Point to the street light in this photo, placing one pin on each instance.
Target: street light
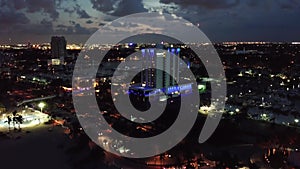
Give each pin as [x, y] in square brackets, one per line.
[41, 106]
[296, 120]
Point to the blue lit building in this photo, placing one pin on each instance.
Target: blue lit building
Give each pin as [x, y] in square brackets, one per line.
[157, 82]
[163, 61]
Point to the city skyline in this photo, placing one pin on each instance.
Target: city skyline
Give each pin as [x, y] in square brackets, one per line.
[230, 20]
[261, 112]
[185, 84]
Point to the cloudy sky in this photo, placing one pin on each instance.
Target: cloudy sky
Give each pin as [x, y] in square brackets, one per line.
[221, 20]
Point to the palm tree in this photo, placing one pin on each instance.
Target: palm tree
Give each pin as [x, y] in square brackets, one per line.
[14, 120]
[8, 122]
[14, 113]
[19, 120]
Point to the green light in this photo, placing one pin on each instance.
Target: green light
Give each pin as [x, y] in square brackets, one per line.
[201, 88]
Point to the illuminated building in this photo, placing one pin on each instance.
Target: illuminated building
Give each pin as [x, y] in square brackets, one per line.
[163, 61]
[148, 76]
[58, 48]
[157, 81]
[169, 63]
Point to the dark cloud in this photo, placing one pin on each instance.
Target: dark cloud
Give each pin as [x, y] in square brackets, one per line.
[14, 4]
[10, 20]
[69, 10]
[220, 19]
[81, 13]
[77, 29]
[44, 28]
[103, 5]
[45, 6]
[82, 30]
[78, 10]
[89, 22]
[72, 22]
[10, 17]
[119, 7]
[46, 22]
[101, 24]
[14, 22]
[61, 26]
[31, 6]
[126, 7]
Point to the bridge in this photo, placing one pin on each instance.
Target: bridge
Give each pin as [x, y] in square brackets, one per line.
[35, 99]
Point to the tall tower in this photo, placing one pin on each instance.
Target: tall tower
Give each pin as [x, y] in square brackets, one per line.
[58, 48]
[160, 65]
[167, 61]
[156, 60]
[148, 77]
[161, 61]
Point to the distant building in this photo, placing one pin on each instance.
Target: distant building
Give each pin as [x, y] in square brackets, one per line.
[58, 49]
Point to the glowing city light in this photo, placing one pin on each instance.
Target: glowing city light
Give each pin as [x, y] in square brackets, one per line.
[41, 105]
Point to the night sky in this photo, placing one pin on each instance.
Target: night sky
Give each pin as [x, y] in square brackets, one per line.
[36, 21]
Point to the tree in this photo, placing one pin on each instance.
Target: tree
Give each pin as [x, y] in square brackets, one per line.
[19, 120]
[14, 113]
[8, 122]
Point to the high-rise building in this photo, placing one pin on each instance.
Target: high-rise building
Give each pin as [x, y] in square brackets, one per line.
[161, 74]
[58, 48]
[167, 61]
[148, 76]
[161, 61]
